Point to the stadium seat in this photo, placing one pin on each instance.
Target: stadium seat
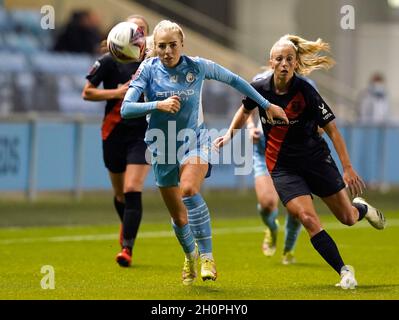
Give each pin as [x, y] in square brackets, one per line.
[4, 21]
[61, 63]
[27, 20]
[25, 43]
[12, 62]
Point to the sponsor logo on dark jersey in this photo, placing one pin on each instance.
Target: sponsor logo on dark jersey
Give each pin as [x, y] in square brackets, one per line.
[279, 122]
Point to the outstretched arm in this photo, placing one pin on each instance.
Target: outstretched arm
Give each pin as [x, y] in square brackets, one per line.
[238, 122]
[254, 131]
[352, 180]
[217, 72]
[91, 93]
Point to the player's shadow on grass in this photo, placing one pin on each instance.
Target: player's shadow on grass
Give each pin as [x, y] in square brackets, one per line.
[379, 286]
[203, 288]
[301, 265]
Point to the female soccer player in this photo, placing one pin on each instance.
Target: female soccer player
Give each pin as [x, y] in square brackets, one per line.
[298, 158]
[266, 193]
[178, 139]
[123, 142]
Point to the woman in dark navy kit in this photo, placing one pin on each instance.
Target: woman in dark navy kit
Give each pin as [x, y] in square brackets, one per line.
[123, 142]
[298, 158]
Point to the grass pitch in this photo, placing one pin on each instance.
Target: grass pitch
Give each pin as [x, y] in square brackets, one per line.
[80, 241]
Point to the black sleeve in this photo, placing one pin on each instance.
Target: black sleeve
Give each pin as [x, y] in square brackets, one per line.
[98, 71]
[323, 112]
[247, 102]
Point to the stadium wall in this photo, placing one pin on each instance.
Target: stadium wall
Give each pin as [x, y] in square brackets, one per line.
[58, 154]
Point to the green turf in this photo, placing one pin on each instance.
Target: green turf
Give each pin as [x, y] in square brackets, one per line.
[83, 255]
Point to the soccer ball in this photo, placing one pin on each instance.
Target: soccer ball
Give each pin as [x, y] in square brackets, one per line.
[126, 42]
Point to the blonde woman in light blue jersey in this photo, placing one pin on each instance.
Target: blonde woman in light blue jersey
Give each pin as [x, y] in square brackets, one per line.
[177, 137]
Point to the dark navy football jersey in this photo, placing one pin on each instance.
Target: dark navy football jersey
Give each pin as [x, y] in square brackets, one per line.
[112, 73]
[305, 109]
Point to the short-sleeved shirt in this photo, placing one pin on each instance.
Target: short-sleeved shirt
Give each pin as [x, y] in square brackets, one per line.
[299, 140]
[112, 74]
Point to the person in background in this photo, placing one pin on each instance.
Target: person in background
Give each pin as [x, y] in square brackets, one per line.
[374, 107]
[82, 33]
[123, 142]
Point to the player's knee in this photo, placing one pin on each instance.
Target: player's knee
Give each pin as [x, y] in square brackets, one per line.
[268, 205]
[132, 188]
[308, 219]
[188, 190]
[180, 221]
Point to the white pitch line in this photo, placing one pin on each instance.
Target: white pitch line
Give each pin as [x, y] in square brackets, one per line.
[169, 234]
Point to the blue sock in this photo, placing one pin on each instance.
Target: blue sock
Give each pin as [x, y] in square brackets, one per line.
[185, 237]
[292, 229]
[269, 218]
[200, 222]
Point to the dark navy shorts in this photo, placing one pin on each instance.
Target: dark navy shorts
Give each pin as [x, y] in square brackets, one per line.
[320, 177]
[123, 147]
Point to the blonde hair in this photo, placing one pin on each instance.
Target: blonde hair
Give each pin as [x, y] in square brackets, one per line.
[150, 47]
[307, 53]
[164, 25]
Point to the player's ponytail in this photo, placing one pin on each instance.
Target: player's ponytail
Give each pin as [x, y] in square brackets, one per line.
[308, 53]
[150, 48]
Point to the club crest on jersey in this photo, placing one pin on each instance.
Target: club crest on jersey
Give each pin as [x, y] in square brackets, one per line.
[190, 77]
[296, 106]
[323, 109]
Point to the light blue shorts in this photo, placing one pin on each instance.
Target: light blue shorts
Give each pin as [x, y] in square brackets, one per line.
[259, 161]
[168, 175]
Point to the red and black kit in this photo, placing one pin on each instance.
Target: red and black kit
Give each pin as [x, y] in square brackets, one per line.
[123, 140]
[297, 157]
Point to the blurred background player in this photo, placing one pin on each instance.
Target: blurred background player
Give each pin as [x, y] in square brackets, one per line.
[123, 142]
[298, 158]
[175, 99]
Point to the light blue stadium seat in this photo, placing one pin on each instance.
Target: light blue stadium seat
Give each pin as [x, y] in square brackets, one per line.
[12, 62]
[29, 20]
[25, 43]
[61, 63]
[4, 21]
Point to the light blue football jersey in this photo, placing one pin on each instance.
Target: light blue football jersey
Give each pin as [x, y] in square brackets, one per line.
[159, 82]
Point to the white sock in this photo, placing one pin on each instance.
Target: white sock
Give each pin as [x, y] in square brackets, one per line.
[207, 255]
